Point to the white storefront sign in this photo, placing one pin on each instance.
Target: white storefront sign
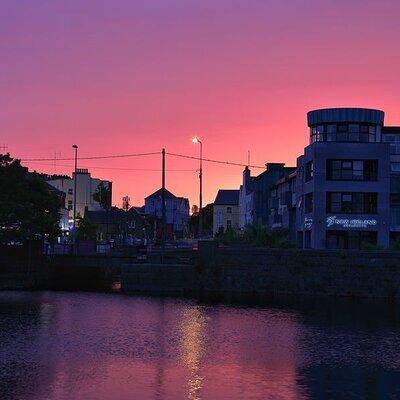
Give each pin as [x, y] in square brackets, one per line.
[308, 223]
[333, 221]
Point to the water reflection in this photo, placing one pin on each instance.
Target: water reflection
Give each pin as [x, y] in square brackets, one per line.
[193, 327]
[57, 346]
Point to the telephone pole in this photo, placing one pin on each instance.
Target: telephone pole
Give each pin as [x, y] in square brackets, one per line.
[163, 210]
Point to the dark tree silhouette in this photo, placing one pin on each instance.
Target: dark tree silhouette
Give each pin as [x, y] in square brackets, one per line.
[28, 210]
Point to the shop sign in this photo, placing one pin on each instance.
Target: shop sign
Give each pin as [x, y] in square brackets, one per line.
[350, 223]
[308, 223]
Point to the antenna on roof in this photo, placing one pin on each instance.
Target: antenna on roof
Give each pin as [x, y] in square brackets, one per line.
[248, 158]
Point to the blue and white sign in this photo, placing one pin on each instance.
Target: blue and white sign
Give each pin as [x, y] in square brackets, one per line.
[333, 221]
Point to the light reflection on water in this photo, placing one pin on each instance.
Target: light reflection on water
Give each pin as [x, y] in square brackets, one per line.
[60, 346]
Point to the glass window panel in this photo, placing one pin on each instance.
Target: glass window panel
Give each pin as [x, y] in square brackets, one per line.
[363, 137]
[341, 137]
[371, 129]
[389, 138]
[354, 128]
[395, 166]
[342, 128]
[331, 137]
[354, 137]
[336, 197]
[347, 165]
[331, 129]
[347, 197]
[320, 128]
[371, 138]
[364, 128]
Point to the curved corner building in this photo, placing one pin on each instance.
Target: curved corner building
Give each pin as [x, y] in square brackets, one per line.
[343, 181]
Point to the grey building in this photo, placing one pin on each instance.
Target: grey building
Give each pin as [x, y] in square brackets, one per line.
[255, 194]
[343, 181]
[391, 135]
[282, 205]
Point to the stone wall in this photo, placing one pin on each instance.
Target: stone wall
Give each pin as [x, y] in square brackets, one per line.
[271, 272]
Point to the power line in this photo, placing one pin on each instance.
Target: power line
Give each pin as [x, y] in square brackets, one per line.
[117, 168]
[215, 161]
[144, 154]
[93, 157]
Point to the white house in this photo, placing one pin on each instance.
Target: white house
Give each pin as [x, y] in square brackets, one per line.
[86, 187]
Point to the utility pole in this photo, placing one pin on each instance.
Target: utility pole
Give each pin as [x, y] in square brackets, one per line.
[75, 179]
[197, 140]
[163, 210]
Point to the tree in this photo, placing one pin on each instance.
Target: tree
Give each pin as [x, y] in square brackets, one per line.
[28, 210]
[103, 195]
[85, 230]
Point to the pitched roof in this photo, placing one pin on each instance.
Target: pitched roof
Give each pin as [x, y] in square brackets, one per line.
[157, 193]
[228, 197]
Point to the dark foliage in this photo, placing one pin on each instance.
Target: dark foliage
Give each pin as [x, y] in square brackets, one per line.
[28, 210]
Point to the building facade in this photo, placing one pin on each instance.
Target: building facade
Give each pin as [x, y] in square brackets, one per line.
[176, 213]
[391, 135]
[255, 194]
[226, 214]
[283, 205]
[86, 189]
[343, 181]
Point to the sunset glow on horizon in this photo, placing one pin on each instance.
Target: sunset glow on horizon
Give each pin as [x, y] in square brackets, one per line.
[123, 77]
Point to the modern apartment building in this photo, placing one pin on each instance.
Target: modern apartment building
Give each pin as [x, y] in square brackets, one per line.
[343, 182]
[391, 135]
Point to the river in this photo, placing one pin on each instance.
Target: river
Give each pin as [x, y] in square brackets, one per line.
[83, 346]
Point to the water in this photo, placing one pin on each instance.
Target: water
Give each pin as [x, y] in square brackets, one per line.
[108, 346]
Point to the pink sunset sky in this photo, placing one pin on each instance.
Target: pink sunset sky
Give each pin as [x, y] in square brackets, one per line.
[126, 76]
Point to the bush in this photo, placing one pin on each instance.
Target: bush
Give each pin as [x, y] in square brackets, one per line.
[259, 236]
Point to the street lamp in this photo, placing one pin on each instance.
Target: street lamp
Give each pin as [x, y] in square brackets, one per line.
[75, 178]
[196, 140]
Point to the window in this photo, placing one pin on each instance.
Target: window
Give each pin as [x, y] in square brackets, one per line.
[394, 141]
[343, 132]
[308, 203]
[70, 191]
[229, 210]
[352, 170]
[228, 224]
[69, 202]
[351, 203]
[309, 171]
[395, 166]
[350, 239]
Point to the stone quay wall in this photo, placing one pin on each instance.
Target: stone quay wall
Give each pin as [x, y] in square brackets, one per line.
[269, 272]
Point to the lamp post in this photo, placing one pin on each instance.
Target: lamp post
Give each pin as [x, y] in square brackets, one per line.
[197, 140]
[74, 206]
